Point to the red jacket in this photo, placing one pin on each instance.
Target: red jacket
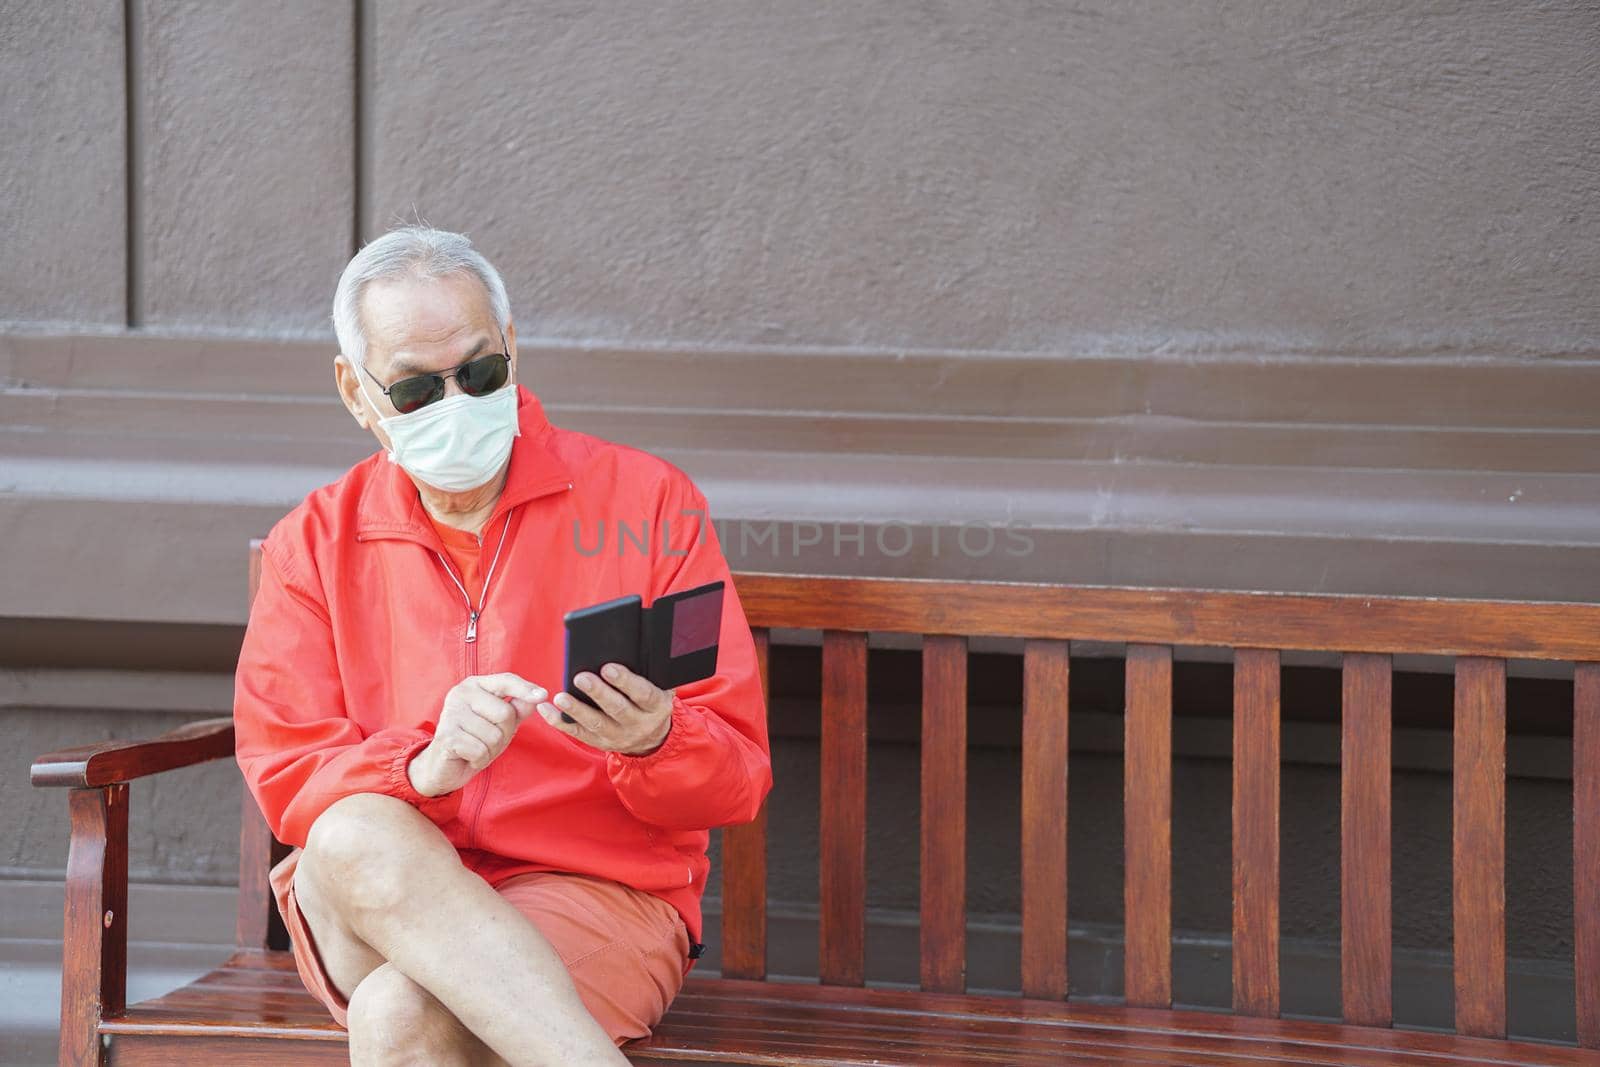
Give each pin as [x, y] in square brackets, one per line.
[358, 630]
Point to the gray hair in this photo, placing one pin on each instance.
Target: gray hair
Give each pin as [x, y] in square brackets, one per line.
[419, 251]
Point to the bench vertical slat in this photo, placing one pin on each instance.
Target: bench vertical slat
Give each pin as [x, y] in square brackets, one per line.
[1586, 848]
[744, 874]
[1365, 898]
[843, 859]
[95, 943]
[1479, 825]
[1045, 668]
[944, 814]
[258, 924]
[1255, 831]
[1147, 834]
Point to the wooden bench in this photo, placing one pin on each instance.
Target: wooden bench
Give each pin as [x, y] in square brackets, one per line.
[253, 1009]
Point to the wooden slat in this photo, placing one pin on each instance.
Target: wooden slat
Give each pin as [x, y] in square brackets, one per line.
[1147, 834]
[744, 875]
[1320, 621]
[777, 1032]
[1586, 848]
[1255, 831]
[719, 1020]
[843, 860]
[95, 940]
[164, 1050]
[944, 814]
[1479, 818]
[812, 1014]
[1365, 901]
[1045, 671]
[724, 1020]
[257, 924]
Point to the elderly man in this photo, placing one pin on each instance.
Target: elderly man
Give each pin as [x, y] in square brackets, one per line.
[478, 877]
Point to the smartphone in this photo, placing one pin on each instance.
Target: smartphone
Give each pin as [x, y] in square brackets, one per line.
[672, 642]
[601, 634]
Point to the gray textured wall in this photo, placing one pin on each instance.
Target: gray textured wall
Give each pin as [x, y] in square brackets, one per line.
[62, 163]
[1409, 177]
[245, 166]
[1038, 177]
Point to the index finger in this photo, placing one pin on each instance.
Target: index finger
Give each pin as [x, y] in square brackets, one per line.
[508, 686]
[486, 706]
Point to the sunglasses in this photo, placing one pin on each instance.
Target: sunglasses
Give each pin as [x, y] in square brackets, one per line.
[476, 377]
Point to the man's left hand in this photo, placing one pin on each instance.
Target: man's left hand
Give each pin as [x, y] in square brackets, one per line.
[634, 716]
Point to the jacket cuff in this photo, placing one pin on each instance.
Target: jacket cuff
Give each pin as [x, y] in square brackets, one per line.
[440, 809]
[677, 738]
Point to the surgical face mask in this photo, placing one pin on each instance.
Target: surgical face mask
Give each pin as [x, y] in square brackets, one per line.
[457, 443]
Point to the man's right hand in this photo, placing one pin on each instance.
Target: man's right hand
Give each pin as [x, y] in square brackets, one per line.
[479, 718]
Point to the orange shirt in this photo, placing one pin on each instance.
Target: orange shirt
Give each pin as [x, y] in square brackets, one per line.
[466, 554]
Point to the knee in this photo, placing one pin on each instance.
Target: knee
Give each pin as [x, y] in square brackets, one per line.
[360, 849]
[392, 1020]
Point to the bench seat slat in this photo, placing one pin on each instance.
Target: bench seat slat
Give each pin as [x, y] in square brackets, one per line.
[1365, 900]
[243, 1050]
[1479, 827]
[1147, 808]
[901, 1038]
[842, 921]
[1045, 667]
[243, 1011]
[1317, 1041]
[916, 1038]
[716, 1045]
[713, 1019]
[944, 814]
[1255, 831]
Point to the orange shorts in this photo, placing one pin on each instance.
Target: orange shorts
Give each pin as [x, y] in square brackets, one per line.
[626, 950]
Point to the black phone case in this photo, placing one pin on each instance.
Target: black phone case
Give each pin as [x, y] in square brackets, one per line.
[601, 634]
[623, 631]
[662, 667]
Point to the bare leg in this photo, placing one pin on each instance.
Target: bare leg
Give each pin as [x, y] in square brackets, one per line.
[395, 1022]
[379, 883]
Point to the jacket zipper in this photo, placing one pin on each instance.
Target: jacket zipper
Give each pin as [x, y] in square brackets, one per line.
[471, 640]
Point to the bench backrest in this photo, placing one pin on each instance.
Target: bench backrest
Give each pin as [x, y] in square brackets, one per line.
[1368, 631]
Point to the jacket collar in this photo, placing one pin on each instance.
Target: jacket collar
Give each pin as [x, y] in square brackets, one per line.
[390, 505]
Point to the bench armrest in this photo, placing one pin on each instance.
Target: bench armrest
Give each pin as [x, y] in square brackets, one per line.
[110, 762]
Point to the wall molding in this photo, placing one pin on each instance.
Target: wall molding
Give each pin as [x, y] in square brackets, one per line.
[1409, 475]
